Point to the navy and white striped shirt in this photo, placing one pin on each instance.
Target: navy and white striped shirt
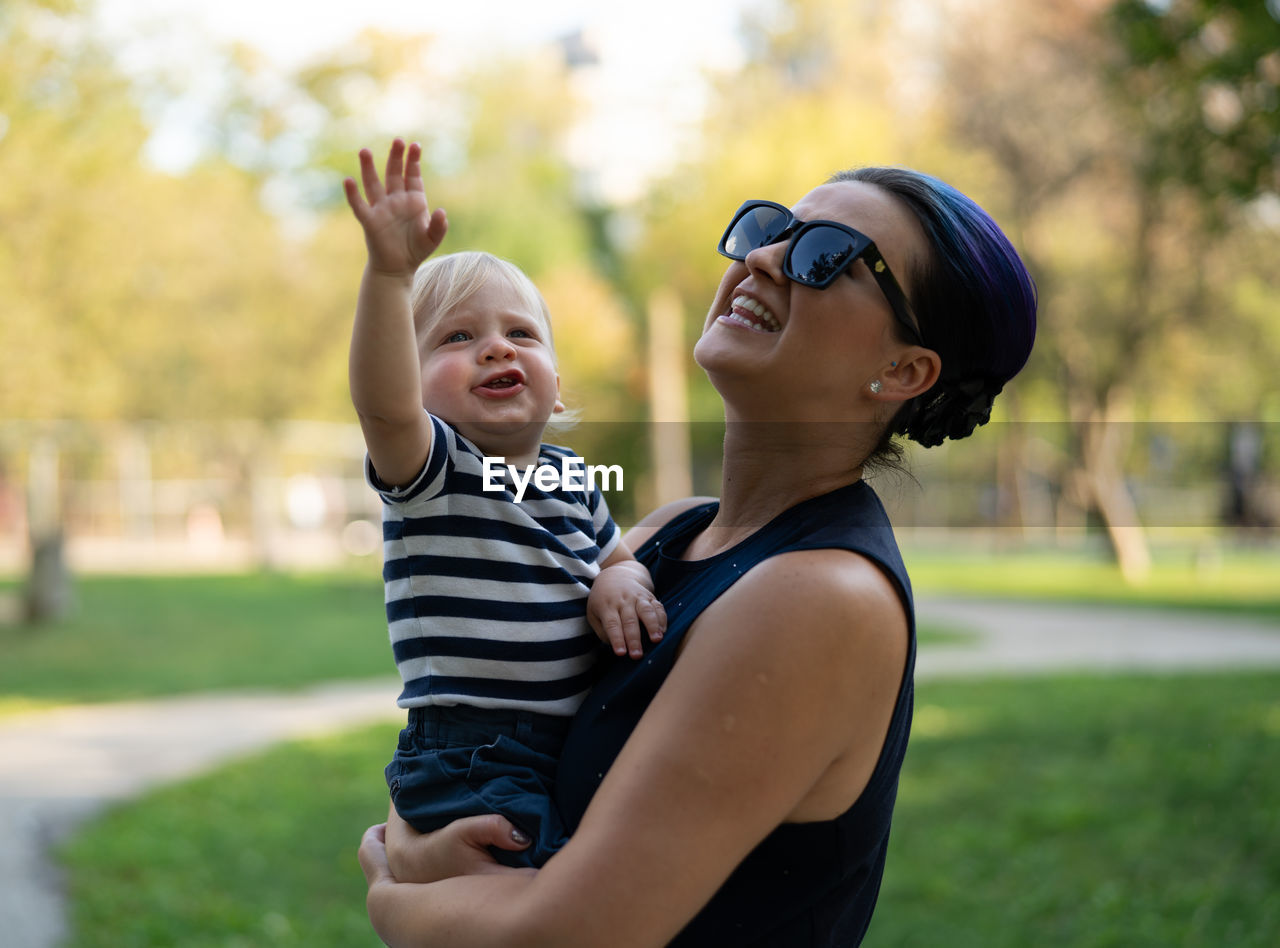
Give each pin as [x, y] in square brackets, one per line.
[486, 597]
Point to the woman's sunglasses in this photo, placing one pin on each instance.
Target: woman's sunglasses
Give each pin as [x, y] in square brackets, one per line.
[818, 252]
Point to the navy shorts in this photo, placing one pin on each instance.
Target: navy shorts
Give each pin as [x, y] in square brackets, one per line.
[461, 761]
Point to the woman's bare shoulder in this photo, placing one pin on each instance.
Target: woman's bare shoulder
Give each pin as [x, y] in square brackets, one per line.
[822, 590]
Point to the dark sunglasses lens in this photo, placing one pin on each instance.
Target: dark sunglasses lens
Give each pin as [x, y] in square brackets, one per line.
[757, 227]
[820, 253]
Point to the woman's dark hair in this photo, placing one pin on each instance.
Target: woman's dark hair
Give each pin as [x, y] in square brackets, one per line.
[975, 302]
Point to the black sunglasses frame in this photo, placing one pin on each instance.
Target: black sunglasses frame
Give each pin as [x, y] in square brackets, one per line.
[864, 249]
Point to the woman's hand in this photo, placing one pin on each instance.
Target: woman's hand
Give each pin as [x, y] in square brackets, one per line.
[401, 906]
[373, 856]
[459, 849]
[457, 900]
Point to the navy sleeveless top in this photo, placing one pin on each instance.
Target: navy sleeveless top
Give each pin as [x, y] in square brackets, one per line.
[805, 883]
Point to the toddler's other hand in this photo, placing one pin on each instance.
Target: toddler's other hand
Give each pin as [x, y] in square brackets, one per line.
[619, 604]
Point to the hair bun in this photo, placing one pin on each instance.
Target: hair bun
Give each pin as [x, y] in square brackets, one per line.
[951, 409]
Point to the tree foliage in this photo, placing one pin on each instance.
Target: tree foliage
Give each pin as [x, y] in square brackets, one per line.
[1202, 78]
[225, 290]
[815, 95]
[130, 293]
[1129, 195]
[1129, 147]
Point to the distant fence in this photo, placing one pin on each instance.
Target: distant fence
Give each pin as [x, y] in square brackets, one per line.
[234, 495]
[196, 496]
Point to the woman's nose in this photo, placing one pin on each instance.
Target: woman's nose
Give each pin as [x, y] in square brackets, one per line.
[766, 261]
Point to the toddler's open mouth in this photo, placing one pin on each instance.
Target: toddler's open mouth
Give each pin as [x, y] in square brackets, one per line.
[502, 382]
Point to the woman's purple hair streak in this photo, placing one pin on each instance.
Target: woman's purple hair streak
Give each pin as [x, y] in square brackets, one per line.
[973, 297]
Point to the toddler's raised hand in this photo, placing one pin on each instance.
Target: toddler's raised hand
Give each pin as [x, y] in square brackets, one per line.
[400, 230]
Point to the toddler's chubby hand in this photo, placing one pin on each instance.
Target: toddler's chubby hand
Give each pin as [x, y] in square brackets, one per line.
[619, 604]
[400, 229]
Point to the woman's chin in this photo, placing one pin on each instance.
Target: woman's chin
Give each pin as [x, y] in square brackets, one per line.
[723, 356]
[713, 352]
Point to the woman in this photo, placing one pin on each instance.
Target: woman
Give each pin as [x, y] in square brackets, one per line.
[735, 786]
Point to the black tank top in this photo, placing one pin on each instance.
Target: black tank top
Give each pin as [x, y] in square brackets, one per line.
[805, 883]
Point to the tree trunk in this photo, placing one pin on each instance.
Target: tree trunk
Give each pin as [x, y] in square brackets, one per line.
[48, 594]
[669, 448]
[1103, 445]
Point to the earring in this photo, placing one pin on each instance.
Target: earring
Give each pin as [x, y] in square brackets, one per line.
[875, 386]
[893, 365]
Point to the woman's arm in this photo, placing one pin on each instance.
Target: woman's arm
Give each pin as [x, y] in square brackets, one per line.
[793, 673]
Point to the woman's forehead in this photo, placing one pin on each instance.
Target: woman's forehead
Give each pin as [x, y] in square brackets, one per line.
[861, 205]
[871, 210]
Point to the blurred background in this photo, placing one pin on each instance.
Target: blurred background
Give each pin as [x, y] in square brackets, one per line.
[178, 268]
[178, 271]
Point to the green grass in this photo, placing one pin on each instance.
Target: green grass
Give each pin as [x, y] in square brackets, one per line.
[259, 853]
[934, 633]
[1240, 582]
[1135, 812]
[137, 636]
[1125, 812]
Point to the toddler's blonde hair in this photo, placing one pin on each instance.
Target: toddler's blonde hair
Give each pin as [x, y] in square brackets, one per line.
[444, 283]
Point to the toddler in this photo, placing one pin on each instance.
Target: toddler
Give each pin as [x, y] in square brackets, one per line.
[494, 584]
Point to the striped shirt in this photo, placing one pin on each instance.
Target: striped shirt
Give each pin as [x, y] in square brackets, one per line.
[486, 597]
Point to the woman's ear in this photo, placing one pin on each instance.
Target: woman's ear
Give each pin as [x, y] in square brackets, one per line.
[913, 374]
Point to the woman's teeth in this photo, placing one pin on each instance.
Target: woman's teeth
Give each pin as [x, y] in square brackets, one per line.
[765, 321]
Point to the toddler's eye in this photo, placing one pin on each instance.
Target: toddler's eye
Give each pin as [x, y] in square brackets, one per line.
[457, 337]
[521, 334]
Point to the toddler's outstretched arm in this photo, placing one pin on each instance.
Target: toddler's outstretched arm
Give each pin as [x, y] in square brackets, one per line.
[400, 231]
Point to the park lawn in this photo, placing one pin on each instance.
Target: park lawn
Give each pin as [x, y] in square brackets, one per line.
[1125, 811]
[1239, 581]
[144, 636]
[1112, 812]
[261, 852]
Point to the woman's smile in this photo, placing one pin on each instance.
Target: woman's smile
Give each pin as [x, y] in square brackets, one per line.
[753, 314]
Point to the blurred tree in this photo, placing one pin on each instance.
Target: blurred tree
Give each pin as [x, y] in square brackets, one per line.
[1203, 78]
[1128, 190]
[145, 295]
[1038, 113]
[826, 85]
[181, 295]
[815, 95]
[225, 290]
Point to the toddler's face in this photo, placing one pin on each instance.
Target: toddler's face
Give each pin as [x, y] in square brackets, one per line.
[488, 368]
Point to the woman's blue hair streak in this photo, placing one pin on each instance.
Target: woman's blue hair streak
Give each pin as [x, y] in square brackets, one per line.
[974, 298]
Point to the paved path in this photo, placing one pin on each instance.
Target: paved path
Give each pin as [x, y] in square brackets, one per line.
[59, 767]
[121, 750]
[1020, 638]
